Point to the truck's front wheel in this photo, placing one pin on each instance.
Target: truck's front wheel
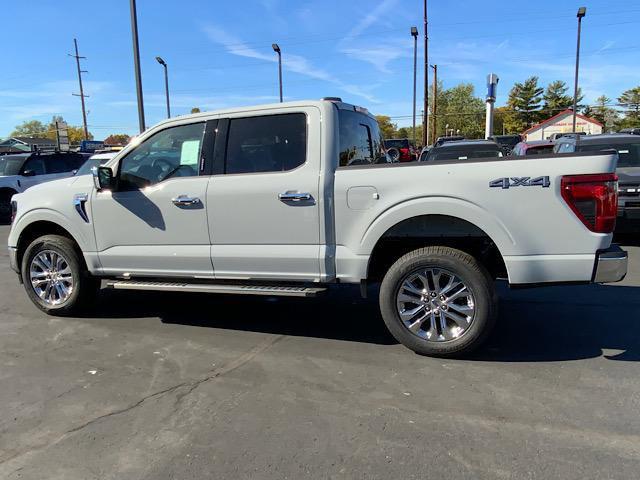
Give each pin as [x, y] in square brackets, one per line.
[54, 276]
[438, 301]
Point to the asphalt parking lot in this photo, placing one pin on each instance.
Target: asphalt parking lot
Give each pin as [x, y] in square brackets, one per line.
[188, 386]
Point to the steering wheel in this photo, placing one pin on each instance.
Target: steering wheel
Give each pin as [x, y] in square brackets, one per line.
[165, 166]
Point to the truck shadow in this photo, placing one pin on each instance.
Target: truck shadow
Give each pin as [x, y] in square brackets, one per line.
[537, 325]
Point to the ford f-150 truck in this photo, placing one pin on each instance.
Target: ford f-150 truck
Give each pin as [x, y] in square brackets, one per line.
[288, 199]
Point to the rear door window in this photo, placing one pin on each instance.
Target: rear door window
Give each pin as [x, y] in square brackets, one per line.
[360, 140]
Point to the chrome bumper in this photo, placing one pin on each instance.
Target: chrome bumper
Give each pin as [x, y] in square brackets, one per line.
[611, 265]
[13, 259]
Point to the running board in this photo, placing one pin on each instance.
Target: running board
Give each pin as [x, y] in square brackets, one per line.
[216, 288]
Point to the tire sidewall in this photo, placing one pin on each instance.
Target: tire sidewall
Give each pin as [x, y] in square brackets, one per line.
[64, 248]
[476, 280]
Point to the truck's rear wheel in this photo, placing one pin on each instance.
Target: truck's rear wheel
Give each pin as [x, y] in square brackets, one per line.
[54, 276]
[438, 301]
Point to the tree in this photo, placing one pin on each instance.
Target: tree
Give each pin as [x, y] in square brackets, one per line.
[556, 99]
[462, 111]
[387, 128]
[630, 101]
[524, 105]
[117, 139]
[605, 114]
[32, 128]
[195, 110]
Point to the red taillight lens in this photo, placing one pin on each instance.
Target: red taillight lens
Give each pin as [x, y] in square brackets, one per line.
[593, 198]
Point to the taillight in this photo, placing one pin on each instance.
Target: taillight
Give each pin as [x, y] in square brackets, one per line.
[593, 198]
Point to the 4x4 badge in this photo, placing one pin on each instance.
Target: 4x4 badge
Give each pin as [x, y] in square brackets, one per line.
[508, 182]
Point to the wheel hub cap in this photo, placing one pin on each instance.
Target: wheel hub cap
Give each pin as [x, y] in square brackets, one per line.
[51, 277]
[435, 305]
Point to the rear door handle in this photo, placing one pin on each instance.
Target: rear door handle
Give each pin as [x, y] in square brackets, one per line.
[290, 196]
[184, 200]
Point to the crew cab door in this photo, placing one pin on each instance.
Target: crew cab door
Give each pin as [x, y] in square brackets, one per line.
[154, 222]
[263, 202]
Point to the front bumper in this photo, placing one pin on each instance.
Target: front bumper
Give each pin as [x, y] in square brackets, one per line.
[611, 265]
[13, 259]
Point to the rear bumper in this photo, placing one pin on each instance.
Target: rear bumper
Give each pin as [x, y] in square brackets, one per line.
[13, 259]
[611, 265]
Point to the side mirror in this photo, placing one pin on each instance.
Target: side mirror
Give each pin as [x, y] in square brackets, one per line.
[28, 173]
[102, 178]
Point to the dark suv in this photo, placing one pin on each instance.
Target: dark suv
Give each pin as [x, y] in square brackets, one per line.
[628, 171]
[506, 142]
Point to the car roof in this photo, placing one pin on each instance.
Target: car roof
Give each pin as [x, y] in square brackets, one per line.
[535, 143]
[103, 156]
[602, 138]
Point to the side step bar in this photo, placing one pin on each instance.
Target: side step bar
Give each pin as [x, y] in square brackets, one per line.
[216, 288]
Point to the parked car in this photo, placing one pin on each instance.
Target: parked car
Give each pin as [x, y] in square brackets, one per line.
[628, 170]
[95, 160]
[506, 142]
[21, 171]
[535, 147]
[465, 150]
[266, 200]
[632, 131]
[453, 138]
[399, 149]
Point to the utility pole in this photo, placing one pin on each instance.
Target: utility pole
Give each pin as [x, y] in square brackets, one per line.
[426, 78]
[435, 101]
[81, 95]
[582, 11]
[136, 64]
[414, 34]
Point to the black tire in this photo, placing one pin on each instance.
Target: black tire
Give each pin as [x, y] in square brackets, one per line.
[85, 287]
[5, 206]
[469, 271]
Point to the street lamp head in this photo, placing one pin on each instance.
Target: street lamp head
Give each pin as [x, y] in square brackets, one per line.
[414, 32]
[161, 61]
[582, 11]
[275, 47]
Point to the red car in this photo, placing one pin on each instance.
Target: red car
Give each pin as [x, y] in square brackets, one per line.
[535, 147]
[399, 150]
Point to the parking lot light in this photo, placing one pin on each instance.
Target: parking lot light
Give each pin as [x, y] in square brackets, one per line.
[414, 34]
[582, 11]
[276, 48]
[166, 83]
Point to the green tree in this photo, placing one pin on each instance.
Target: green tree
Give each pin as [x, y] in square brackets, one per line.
[605, 114]
[405, 132]
[524, 105]
[387, 128]
[630, 101]
[32, 128]
[556, 99]
[462, 111]
[195, 110]
[117, 139]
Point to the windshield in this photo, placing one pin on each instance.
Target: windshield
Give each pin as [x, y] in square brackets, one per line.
[86, 167]
[396, 143]
[11, 165]
[628, 153]
[463, 154]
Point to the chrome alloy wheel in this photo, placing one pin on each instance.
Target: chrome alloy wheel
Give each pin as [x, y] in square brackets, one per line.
[435, 305]
[51, 277]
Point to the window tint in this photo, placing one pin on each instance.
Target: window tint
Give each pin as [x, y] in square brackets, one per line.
[360, 139]
[463, 154]
[564, 148]
[542, 150]
[10, 165]
[34, 164]
[61, 163]
[628, 153]
[273, 143]
[173, 152]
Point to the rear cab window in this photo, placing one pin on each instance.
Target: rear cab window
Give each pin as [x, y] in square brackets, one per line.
[360, 139]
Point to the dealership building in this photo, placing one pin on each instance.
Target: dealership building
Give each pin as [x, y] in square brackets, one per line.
[562, 123]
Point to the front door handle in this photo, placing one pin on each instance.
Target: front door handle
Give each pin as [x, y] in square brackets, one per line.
[290, 196]
[184, 200]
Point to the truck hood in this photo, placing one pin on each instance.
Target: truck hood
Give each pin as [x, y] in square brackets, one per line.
[44, 190]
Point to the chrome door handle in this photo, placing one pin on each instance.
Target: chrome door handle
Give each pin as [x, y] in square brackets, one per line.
[294, 196]
[184, 200]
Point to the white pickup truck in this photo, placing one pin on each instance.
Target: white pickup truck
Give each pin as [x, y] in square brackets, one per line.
[290, 198]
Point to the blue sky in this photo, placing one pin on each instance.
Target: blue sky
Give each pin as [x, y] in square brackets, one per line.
[219, 53]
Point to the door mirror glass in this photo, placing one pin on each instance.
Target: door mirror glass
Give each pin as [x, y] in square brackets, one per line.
[28, 173]
[102, 178]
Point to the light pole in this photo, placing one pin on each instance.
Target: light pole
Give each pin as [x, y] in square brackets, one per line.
[136, 64]
[582, 11]
[414, 34]
[276, 49]
[434, 109]
[426, 78]
[166, 83]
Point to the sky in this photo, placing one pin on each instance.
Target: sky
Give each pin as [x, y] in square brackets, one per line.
[219, 53]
